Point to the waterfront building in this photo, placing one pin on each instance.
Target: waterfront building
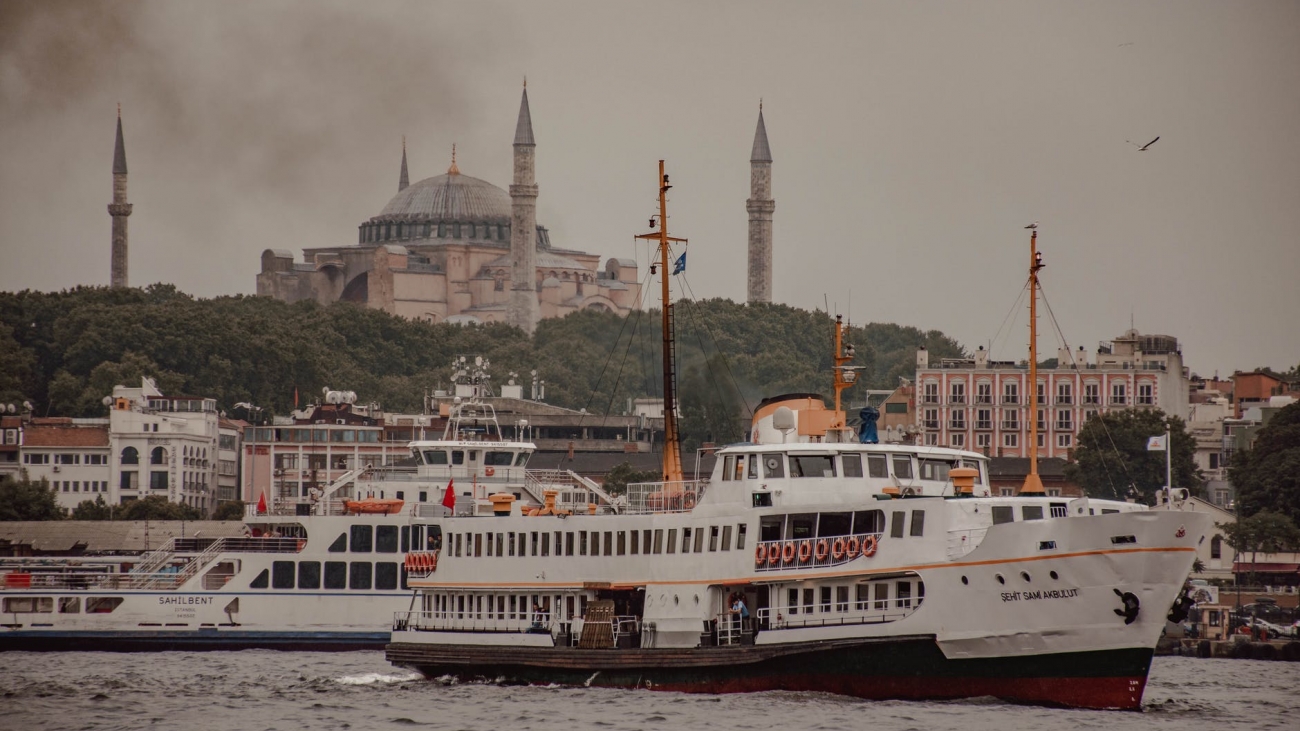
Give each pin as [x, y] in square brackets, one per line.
[162, 445]
[980, 404]
[72, 454]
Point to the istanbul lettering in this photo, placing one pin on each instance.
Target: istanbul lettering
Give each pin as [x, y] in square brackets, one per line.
[184, 600]
[1015, 596]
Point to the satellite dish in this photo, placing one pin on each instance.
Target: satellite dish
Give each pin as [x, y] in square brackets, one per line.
[106, 401]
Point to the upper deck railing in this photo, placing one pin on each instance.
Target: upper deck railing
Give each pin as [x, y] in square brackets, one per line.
[665, 497]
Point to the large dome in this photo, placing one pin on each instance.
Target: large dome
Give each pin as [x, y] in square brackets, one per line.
[449, 198]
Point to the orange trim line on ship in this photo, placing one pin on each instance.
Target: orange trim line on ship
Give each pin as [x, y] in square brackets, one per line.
[773, 578]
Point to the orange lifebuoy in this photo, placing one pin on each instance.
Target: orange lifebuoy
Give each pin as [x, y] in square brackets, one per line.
[837, 549]
[869, 546]
[787, 552]
[489, 471]
[773, 555]
[301, 544]
[805, 551]
[822, 550]
[851, 549]
[408, 562]
[433, 561]
[760, 555]
[689, 501]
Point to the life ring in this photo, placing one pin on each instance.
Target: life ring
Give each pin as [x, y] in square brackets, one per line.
[489, 471]
[805, 551]
[433, 561]
[837, 549]
[787, 552]
[773, 555]
[301, 545]
[760, 555]
[869, 546]
[408, 562]
[822, 550]
[851, 548]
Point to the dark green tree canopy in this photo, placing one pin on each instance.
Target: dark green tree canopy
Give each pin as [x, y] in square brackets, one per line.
[1112, 455]
[25, 499]
[1267, 476]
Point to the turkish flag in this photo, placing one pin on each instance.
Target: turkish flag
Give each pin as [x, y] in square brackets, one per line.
[449, 497]
[261, 504]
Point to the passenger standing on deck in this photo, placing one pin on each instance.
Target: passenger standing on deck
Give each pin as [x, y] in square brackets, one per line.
[741, 611]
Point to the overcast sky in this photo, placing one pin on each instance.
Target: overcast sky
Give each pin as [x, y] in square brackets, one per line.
[912, 142]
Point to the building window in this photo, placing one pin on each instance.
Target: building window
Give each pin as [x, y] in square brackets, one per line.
[931, 393]
[1118, 393]
[932, 439]
[1064, 393]
[931, 418]
[1064, 440]
[1064, 419]
[1042, 419]
[957, 440]
[984, 393]
[957, 419]
[158, 456]
[1010, 419]
[1042, 392]
[984, 419]
[130, 456]
[1011, 392]
[157, 480]
[1216, 547]
[957, 392]
[1146, 394]
[1091, 393]
[983, 441]
[1010, 440]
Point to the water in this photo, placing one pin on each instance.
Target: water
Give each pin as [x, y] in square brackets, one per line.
[260, 690]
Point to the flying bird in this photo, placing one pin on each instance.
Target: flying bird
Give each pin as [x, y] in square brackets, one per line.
[1142, 148]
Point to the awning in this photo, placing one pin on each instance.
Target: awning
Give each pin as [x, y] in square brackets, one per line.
[1266, 568]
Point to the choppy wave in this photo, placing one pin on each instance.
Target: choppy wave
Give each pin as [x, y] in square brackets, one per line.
[373, 678]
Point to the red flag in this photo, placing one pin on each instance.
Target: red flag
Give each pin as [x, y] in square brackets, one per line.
[295, 397]
[261, 503]
[449, 497]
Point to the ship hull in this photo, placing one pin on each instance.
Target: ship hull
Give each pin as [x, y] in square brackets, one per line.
[190, 641]
[912, 668]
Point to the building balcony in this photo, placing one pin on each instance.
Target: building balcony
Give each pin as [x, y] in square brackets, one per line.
[931, 423]
[1064, 400]
[957, 398]
[1010, 400]
[984, 425]
[957, 425]
[983, 399]
[930, 398]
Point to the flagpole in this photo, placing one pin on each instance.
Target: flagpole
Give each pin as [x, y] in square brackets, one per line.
[1169, 459]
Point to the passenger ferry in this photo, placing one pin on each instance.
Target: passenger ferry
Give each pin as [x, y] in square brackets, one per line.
[325, 572]
[811, 559]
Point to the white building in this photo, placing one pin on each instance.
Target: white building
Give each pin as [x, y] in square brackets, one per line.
[980, 404]
[73, 454]
[163, 445]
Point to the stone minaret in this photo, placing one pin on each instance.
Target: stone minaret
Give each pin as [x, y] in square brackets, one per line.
[119, 209]
[760, 206]
[522, 310]
[404, 181]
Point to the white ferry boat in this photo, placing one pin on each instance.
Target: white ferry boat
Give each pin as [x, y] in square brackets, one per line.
[321, 573]
[810, 560]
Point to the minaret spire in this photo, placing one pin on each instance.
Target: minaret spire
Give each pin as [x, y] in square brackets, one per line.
[522, 310]
[404, 181]
[119, 209]
[760, 206]
[453, 169]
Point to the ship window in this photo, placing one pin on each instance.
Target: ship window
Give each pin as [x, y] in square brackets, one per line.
[532, 542]
[435, 457]
[834, 524]
[478, 544]
[841, 598]
[406, 538]
[769, 527]
[609, 543]
[792, 601]
[359, 575]
[568, 544]
[546, 544]
[282, 574]
[686, 540]
[801, 526]
[1031, 512]
[918, 523]
[386, 575]
[522, 459]
[672, 540]
[713, 538]
[876, 466]
[1003, 514]
[386, 538]
[726, 538]
[69, 605]
[29, 604]
[852, 465]
[728, 465]
[862, 597]
[773, 465]
[825, 604]
[582, 543]
[869, 521]
[807, 601]
[336, 575]
[645, 542]
[309, 574]
[904, 599]
[752, 472]
[261, 581]
[902, 466]
[457, 456]
[362, 538]
[622, 543]
[934, 469]
[812, 465]
[498, 459]
[740, 536]
[102, 604]
[896, 526]
[1059, 510]
[659, 540]
[699, 540]
[882, 596]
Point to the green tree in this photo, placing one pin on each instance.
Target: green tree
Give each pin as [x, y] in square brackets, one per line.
[1267, 476]
[1263, 532]
[93, 510]
[1112, 458]
[229, 510]
[617, 480]
[25, 499]
[157, 507]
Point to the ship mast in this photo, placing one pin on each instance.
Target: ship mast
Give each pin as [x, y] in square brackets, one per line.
[845, 375]
[672, 467]
[1033, 484]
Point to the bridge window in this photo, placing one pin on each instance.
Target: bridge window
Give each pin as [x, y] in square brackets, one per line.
[773, 465]
[435, 457]
[812, 465]
[933, 469]
[309, 574]
[852, 465]
[457, 456]
[876, 466]
[802, 526]
[902, 466]
[522, 459]
[752, 472]
[1003, 514]
[498, 459]
[1031, 512]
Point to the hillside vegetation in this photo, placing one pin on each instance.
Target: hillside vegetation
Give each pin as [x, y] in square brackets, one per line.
[64, 351]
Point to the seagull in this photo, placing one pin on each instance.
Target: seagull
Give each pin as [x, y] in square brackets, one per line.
[1142, 148]
[1033, 225]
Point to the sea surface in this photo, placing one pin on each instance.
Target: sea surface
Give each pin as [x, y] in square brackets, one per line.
[259, 690]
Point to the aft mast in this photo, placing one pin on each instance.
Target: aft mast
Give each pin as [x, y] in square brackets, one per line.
[1033, 484]
[672, 467]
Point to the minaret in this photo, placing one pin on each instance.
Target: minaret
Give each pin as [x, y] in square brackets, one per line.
[119, 209]
[522, 309]
[404, 181]
[760, 206]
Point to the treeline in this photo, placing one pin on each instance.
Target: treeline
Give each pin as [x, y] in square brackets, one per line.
[64, 351]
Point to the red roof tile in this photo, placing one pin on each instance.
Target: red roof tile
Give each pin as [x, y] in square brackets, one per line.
[65, 436]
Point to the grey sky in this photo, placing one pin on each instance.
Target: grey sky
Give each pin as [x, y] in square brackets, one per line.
[912, 142]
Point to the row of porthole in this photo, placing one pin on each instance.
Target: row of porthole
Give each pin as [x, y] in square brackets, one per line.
[1023, 575]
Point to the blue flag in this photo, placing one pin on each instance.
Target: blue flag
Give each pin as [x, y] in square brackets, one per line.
[680, 266]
